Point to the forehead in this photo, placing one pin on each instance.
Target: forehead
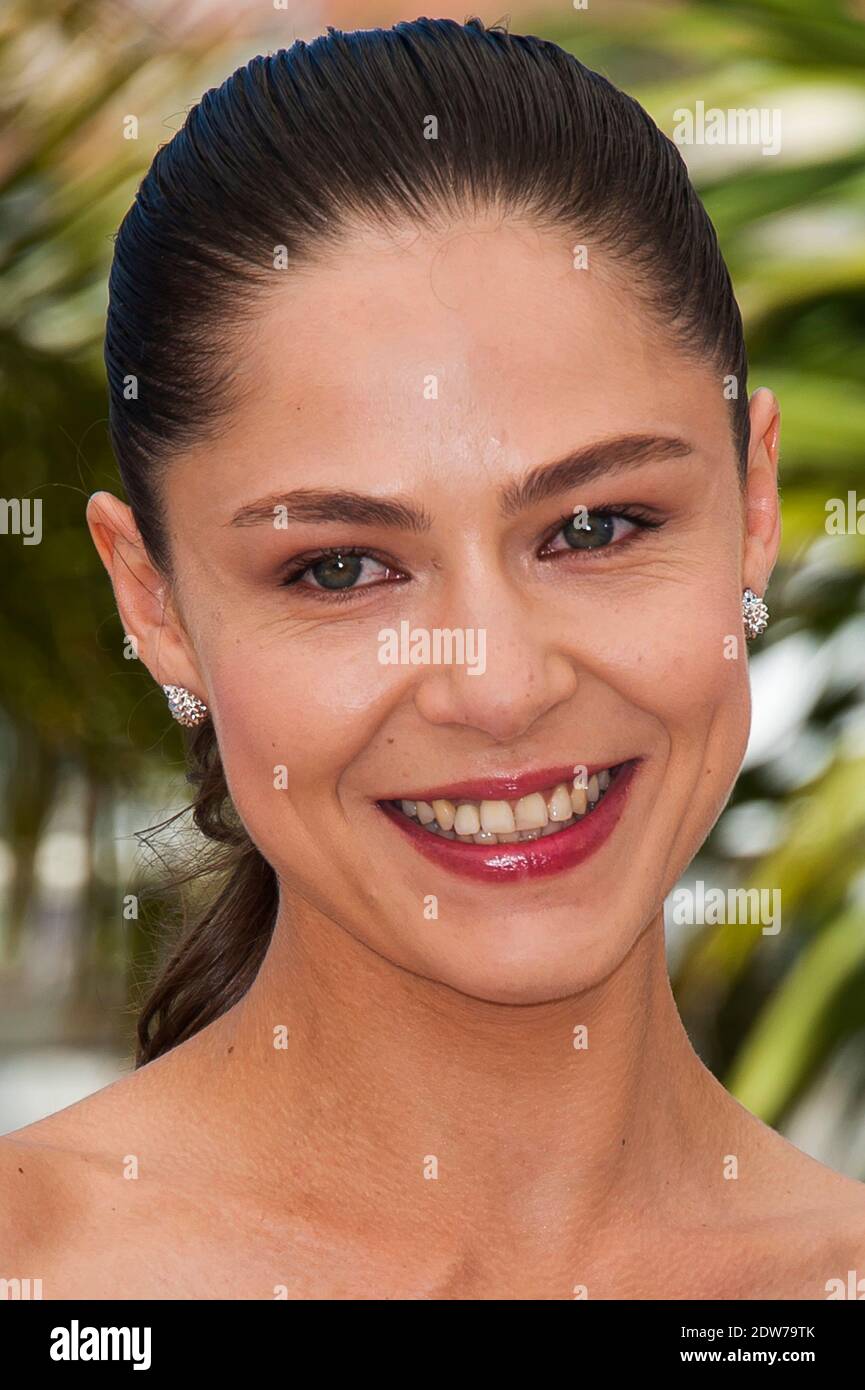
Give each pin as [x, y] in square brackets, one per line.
[482, 344]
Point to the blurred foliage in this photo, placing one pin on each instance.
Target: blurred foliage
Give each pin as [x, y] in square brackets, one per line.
[770, 1014]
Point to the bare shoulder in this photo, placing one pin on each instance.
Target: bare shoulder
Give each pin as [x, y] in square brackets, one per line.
[47, 1166]
[64, 1189]
[802, 1182]
[813, 1220]
[824, 1239]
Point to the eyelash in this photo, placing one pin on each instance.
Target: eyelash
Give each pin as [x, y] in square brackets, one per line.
[294, 572]
[645, 520]
[297, 568]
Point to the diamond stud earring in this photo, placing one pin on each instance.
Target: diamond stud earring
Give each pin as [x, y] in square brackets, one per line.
[754, 613]
[186, 708]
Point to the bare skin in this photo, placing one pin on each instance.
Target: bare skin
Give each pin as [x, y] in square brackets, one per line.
[429, 1130]
[299, 1174]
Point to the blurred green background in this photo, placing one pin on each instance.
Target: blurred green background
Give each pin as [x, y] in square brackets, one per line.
[89, 754]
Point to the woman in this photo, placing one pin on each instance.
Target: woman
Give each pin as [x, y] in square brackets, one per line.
[448, 517]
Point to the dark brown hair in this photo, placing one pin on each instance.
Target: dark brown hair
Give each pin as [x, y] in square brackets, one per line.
[424, 122]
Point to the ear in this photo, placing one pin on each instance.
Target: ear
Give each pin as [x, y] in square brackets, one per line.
[763, 513]
[143, 594]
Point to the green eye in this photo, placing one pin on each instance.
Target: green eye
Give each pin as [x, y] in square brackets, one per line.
[337, 571]
[589, 531]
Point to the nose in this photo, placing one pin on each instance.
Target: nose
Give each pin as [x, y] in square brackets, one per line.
[524, 675]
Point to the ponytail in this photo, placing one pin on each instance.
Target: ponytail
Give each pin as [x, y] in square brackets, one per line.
[218, 956]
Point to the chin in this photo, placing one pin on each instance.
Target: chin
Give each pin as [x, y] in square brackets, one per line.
[524, 957]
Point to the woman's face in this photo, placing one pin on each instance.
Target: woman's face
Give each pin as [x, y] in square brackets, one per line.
[436, 406]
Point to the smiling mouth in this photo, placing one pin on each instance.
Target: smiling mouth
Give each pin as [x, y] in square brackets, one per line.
[539, 815]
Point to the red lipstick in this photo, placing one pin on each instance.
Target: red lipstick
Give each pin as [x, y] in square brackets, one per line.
[508, 863]
[504, 787]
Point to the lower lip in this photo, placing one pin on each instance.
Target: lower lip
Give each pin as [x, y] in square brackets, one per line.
[552, 854]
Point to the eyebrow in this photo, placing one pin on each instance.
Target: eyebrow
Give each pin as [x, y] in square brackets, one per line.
[601, 457]
[316, 504]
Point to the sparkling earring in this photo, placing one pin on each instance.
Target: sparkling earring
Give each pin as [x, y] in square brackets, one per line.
[186, 708]
[754, 613]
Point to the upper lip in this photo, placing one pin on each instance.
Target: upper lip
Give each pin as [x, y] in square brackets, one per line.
[504, 787]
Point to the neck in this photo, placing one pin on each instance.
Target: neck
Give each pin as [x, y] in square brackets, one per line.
[392, 1088]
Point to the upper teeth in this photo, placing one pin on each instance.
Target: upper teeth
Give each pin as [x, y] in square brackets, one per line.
[488, 822]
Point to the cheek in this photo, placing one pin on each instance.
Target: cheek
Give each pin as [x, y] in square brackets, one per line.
[685, 670]
[684, 652]
[305, 705]
[682, 661]
[699, 663]
[691, 671]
